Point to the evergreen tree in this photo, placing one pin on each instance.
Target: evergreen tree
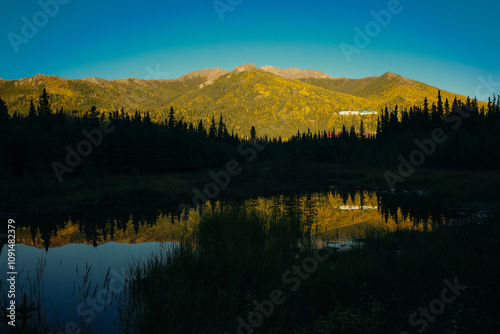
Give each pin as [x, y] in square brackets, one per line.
[425, 111]
[352, 133]
[253, 133]
[434, 115]
[344, 135]
[379, 131]
[361, 130]
[201, 129]
[181, 125]
[171, 119]
[384, 124]
[137, 119]
[92, 115]
[405, 120]
[147, 118]
[440, 109]
[4, 111]
[32, 110]
[212, 131]
[221, 129]
[44, 105]
[455, 106]
[393, 123]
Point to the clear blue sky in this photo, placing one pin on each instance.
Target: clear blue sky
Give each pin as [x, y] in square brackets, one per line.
[451, 45]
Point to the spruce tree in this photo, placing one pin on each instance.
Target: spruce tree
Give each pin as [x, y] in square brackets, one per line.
[4, 111]
[379, 131]
[44, 105]
[212, 131]
[201, 129]
[221, 129]
[394, 123]
[440, 109]
[425, 111]
[434, 115]
[253, 133]
[171, 119]
[32, 110]
[344, 134]
[352, 133]
[93, 115]
[147, 118]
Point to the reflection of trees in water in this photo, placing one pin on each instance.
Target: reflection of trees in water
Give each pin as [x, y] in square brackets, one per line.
[418, 209]
[325, 215]
[350, 213]
[93, 227]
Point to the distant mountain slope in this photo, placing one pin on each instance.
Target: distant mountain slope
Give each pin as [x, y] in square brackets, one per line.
[276, 106]
[276, 101]
[295, 73]
[208, 76]
[388, 89]
[81, 94]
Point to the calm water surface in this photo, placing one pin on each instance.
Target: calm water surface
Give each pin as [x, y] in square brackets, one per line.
[76, 262]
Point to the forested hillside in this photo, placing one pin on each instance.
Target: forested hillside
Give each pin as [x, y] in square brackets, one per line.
[50, 141]
[274, 105]
[277, 102]
[388, 89]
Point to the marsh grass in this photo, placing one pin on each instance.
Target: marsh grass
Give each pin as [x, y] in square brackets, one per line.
[33, 309]
[239, 257]
[236, 256]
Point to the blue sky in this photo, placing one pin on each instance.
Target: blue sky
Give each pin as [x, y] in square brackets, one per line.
[452, 45]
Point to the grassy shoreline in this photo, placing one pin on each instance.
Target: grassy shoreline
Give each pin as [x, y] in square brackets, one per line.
[240, 261]
[43, 192]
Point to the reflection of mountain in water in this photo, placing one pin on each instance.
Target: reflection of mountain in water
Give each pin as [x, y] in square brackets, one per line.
[126, 224]
[326, 215]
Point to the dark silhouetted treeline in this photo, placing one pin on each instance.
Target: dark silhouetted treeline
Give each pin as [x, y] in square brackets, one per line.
[113, 142]
[469, 138]
[50, 140]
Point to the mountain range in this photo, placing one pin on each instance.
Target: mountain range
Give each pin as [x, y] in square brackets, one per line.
[278, 102]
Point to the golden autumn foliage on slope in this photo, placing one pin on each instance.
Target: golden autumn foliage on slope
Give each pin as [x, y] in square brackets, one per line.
[275, 104]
